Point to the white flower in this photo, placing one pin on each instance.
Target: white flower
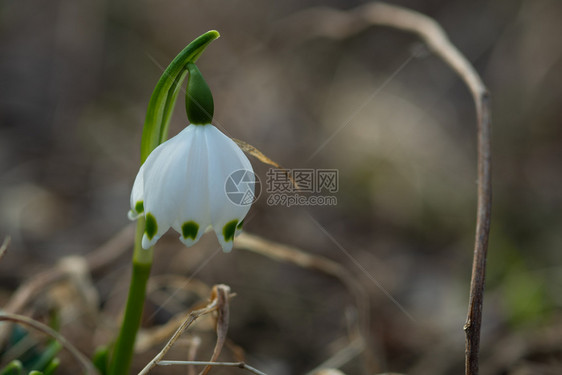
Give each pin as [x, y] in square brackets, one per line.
[182, 185]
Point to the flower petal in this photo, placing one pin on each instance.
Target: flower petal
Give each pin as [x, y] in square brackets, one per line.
[164, 181]
[193, 216]
[225, 158]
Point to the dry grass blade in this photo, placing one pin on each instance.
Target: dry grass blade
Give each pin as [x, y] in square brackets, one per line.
[264, 159]
[337, 24]
[223, 318]
[20, 319]
[192, 317]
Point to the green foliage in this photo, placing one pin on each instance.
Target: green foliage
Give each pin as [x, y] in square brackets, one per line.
[155, 132]
[101, 359]
[123, 353]
[34, 358]
[42, 361]
[46, 364]
[164, 96]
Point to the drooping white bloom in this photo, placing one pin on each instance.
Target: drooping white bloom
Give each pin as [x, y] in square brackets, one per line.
[182, 185]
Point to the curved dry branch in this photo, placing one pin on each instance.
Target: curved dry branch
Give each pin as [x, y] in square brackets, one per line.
[436, 39]
[219, 298]
[328, 22]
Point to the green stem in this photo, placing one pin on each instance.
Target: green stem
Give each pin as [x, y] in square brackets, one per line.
[155, 132]
[124, 346]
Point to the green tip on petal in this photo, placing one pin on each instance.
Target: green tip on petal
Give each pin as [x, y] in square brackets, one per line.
[189, 229]
[229, 230]
[199, 103]
[139, 207]
[240, 224]
[151, 227]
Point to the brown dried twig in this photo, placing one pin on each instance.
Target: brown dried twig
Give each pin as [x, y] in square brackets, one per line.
[81, 358]
[337, 24]
[223, 318]
[186, 323]
[219, 302]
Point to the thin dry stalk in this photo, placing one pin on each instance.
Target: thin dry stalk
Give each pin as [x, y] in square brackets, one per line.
[81, 358]
[192, 317]
[438, 42]
[223, 318]
[336, 24]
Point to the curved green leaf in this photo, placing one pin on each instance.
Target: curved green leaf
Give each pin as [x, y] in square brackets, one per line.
[164, 96]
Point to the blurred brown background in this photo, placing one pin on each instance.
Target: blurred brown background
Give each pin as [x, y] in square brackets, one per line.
[75, 80]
